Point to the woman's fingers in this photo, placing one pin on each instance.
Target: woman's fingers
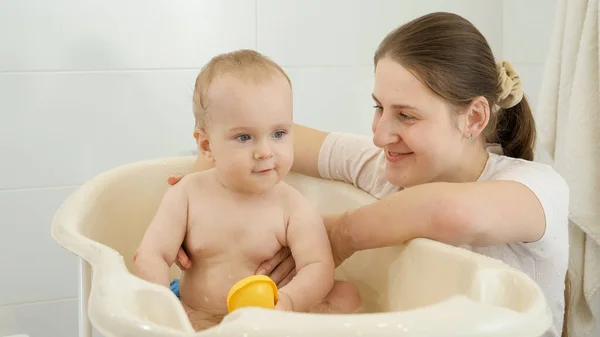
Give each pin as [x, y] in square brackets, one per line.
[182, 260]
[174, 179]
[287, 279]
[267, 267]
[283, 270]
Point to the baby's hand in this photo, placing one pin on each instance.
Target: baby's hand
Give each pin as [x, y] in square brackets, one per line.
[284, 303]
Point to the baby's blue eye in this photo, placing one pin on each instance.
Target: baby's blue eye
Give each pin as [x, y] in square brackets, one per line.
[279, 134]
[243, 137]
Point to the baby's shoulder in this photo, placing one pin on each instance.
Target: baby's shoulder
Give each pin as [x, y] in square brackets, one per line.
[196, 184]
[291, 199]
[196, 178]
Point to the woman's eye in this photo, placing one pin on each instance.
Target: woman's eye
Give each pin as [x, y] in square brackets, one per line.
[405, 116]
[279, 134]
[243, 137]
[378, 108]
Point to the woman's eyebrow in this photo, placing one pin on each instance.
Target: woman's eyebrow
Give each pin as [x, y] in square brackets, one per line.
[398, 105]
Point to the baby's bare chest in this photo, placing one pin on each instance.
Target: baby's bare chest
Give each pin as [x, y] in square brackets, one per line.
[224, 228]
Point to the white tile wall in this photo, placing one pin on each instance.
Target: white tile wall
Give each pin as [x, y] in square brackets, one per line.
[41, 319]
[341, 101]
[87, 86]
[70, 126]
[527, 30]
[108, 35]
[354, 28]
[33, 267]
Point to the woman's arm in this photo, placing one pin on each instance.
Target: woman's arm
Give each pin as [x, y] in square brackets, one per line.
[307, 144]
[478, 214]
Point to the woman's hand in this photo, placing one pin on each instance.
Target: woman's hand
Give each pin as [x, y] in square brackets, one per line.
[174, 179]
[282, 267]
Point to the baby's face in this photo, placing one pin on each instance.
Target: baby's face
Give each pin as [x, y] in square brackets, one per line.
[250, 131]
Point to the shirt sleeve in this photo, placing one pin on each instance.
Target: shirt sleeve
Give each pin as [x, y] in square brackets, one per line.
[552, 192]
[354, 159]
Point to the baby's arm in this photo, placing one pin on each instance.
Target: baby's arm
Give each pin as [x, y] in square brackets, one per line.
[163, 237]
[310, 247]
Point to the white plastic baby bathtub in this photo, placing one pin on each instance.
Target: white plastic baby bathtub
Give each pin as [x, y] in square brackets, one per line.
[423, 288]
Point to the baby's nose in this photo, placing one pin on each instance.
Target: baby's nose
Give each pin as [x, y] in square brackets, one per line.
[263, 152]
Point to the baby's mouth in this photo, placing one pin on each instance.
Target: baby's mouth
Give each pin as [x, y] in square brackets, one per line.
[264, 170]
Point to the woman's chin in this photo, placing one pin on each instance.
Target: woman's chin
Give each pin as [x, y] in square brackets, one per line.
[397, 179]
[402, 179]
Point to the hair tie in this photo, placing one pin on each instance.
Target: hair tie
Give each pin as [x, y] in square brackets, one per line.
[509, 83]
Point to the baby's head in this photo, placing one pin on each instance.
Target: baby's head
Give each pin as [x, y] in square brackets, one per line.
[243, 111]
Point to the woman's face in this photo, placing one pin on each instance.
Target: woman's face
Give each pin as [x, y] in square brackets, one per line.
[414, 127]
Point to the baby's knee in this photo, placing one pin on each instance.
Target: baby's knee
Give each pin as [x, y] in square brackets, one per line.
[345, 296]
[200, 320]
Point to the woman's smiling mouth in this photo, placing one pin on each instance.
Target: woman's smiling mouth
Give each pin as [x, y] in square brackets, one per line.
[395, 157]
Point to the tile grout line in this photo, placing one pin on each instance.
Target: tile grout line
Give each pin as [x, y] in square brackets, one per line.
[141, 70]
[23, 189]
[18, 304]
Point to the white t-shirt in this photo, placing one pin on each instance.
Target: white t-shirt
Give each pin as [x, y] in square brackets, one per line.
[356, 160]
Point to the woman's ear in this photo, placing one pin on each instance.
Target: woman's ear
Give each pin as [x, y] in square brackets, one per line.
[478, 116]
[203, 143]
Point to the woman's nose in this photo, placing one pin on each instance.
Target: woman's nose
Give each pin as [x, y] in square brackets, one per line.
[385, 133]
[263, 151]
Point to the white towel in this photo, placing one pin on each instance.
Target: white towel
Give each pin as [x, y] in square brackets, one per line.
[568, 119]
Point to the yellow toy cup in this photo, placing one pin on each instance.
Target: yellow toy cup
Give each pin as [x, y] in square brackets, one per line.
[253, 291]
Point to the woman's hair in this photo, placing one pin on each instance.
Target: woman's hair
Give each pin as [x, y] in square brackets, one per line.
[449, 55]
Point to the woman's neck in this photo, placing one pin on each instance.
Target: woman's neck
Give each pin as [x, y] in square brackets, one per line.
[470, 167]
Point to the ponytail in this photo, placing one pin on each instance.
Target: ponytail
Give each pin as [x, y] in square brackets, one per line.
[515, 130]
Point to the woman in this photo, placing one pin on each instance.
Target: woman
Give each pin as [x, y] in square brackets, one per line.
[450, 160]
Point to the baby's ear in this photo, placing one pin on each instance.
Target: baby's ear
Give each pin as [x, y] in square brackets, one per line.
[203, 143]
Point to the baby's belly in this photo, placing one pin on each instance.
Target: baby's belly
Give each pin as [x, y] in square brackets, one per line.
[205, 286]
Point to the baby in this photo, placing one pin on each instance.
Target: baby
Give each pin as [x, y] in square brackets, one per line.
[237, 215]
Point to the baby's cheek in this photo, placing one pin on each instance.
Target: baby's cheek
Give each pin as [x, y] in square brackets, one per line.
[287, 163]
[285, 155]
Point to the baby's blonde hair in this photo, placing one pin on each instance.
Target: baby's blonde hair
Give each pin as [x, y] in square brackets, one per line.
[243, 62]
